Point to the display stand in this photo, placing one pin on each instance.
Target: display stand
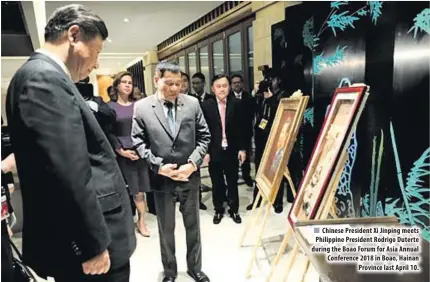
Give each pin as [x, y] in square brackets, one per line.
[316, 196]
[325, 210]
[266, 215]
[289, 117]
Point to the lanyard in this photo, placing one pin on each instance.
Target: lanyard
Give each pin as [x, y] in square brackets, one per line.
[266, 110]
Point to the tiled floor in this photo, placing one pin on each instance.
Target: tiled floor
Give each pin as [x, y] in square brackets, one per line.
[223, 259]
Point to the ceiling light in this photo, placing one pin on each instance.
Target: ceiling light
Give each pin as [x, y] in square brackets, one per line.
[109, 40]
[126, 20]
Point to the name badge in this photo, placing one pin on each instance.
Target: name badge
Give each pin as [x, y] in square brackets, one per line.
[263, 124]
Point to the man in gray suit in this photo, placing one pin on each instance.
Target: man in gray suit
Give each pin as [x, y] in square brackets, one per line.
[170, 132]
[78, 224]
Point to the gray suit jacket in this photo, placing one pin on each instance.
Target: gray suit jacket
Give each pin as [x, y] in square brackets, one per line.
[158, 145]
[74, 196]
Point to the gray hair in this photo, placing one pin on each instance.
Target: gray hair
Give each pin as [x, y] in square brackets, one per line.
[63, 18]
[164, 66]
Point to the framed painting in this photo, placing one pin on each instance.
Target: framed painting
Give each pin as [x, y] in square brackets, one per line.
[335, 134]
[286, 124]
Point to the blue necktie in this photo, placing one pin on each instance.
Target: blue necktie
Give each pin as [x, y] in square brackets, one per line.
[170, 119]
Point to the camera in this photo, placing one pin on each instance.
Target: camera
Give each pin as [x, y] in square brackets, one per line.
[265, 84]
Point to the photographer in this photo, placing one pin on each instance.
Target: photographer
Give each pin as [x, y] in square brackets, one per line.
[267, 97]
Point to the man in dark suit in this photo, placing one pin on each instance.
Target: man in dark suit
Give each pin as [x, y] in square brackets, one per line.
[248, 109]
[227, 146]
[78, 224]
[185, 89]
[199, 81]
[170, 132]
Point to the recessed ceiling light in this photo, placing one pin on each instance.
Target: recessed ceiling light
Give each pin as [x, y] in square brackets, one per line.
[109, 40]
[126, 20]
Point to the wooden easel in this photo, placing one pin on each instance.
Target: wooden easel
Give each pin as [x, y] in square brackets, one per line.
[253, 222]
[267, 198]
[327, 209]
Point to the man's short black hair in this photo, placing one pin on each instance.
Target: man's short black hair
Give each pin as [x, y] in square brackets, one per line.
[237, 76]
[219, 76]
[63, 18]
[186, 75]
[164, 66]
[200, 75]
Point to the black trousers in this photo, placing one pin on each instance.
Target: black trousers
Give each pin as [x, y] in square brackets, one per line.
[121, 274]
[226, 165]
[246, 166]
[6, 255]
[165, 203]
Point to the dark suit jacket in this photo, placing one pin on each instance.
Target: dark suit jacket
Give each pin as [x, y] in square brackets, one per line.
[248, 105]
[266, 108]
[234, 129]
[207, 96]
[158, 145]
[74, 197]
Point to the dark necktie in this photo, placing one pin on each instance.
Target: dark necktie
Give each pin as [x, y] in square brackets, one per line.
[170, 119]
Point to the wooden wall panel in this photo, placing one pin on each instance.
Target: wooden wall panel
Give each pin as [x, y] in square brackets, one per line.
[104, 81]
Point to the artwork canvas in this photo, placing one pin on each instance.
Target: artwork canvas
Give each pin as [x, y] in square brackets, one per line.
[288, 119]
[344, 112]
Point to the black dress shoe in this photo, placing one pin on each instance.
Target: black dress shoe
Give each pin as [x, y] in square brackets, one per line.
[236, 217]
[249, 182]
[205, 188]
[249, 207]
[168, 279]
[203, 206]
[198, 276]
[218, 217]
[279, 208]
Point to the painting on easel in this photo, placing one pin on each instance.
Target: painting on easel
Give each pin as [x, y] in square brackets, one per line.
[344, 112]
[280, 143]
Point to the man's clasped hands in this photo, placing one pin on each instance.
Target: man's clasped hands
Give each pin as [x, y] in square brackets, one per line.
[178, 174]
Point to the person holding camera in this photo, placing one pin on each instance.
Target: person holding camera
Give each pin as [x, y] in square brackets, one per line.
[267, 96]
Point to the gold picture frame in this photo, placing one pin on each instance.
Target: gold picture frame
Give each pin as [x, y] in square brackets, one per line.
[283, 134]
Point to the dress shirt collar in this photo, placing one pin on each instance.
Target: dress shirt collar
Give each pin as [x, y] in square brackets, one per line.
[201, 97]
[55, 58]
[162, 100]
[238, 95]
[219, 101]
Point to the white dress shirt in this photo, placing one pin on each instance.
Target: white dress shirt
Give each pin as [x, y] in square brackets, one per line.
[166, 109]
[238, 95]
